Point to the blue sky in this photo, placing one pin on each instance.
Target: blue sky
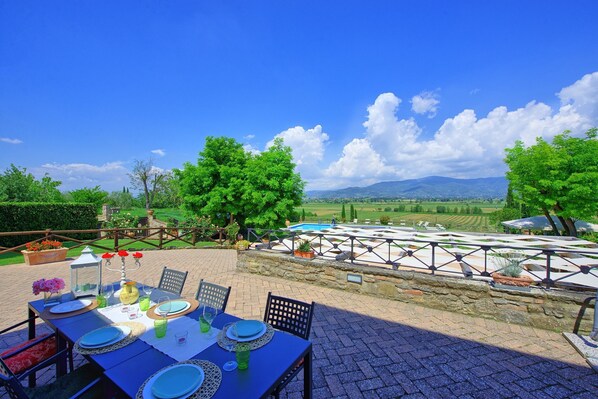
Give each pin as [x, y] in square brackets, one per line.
[363, 91]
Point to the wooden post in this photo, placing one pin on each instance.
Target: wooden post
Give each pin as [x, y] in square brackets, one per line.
[115, 231]
[194, 236]
[161, 235]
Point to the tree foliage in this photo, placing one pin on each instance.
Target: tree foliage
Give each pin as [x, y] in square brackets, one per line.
[229, 184]
[149, 178]
[16, 185]
[559, 177]
[86, 195]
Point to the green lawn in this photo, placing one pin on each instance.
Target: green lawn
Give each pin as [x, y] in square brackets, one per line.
[14, 258]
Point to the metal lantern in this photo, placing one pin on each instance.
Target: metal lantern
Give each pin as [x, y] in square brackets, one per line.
[86, 274]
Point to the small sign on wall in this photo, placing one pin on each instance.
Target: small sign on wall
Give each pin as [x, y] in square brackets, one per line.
[354, 278]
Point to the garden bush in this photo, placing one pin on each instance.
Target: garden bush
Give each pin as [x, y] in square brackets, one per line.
[31, 216]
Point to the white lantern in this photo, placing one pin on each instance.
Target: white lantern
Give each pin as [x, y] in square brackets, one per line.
[86, 274]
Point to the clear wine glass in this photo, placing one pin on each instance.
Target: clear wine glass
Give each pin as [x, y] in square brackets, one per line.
[209, 314]
[148, 286]
[230, 345]
[107, 291]
[164, 306]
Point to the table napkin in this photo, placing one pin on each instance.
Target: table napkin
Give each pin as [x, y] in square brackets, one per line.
[196, 341]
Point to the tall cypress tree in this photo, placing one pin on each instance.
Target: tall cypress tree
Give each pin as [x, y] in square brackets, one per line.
[343, 213]
[352, 212]
[303, 215]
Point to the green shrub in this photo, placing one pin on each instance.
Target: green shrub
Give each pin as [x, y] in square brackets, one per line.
[304, 246]
[30, 216]
[384, 220]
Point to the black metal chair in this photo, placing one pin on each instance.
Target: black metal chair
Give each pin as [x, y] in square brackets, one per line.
[84, 382]
[213, 295]
[172, 280]
[26, 358]
[294, 317]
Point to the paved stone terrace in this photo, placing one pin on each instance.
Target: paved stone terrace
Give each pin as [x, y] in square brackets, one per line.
[366, 347]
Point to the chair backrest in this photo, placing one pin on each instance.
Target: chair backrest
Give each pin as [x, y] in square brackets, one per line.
[289, 315]
[172, 280]
[11, 383]
[213, 295]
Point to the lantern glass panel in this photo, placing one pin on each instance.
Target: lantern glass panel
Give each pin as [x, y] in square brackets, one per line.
[85, 280]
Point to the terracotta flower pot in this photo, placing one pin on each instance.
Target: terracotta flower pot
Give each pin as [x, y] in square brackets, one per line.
[45, 256]
[522, 281]
[306, 255]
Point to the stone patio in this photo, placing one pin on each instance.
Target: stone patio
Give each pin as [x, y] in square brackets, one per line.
[365, 347]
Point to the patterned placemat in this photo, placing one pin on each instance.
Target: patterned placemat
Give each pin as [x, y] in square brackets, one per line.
[211, 382]
[223, 340]
[136, 330]
[152, 314]
[46, 314]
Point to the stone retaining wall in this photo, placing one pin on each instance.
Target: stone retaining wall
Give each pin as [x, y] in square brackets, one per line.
[548, 309]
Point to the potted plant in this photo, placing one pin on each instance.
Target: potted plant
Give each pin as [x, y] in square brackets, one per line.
[509, 271]
[44, 252]
[304, 250]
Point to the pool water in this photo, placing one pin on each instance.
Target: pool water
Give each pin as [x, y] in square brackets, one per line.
[310, 227]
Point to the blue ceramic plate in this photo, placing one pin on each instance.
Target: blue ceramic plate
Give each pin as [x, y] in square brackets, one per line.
[71, 306]
[248, 328]
[124, 332]
[175, 307]
[101, 336]
[177, 381]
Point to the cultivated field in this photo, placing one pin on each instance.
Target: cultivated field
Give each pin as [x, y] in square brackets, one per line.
[325, 211]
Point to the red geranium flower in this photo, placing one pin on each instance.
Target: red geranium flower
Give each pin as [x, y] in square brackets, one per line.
[107, 256]
[123, 253]
[137, 255]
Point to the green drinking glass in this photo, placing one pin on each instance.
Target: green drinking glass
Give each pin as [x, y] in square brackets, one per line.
[101, 299]
[242, 355]
[160, 327]
[204, 326]
[144, 303]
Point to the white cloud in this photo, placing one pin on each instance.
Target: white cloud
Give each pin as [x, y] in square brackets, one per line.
[582, 96]
[159, 152]
[465, 146]
[10, 141]
[359, 162]
[307, 147]
[251, 149]
[110, 176]
[425, 102]
[249, 137]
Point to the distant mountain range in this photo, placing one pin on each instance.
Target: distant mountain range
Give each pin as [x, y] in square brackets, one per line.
[426, 187]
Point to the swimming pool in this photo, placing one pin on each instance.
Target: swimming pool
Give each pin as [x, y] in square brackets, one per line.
[310, 227]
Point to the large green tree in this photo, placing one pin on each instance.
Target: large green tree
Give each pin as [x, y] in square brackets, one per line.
[215, 185]
[95, 196]
[16, 185]
[229, 184]
[560, 178]
[272, 188]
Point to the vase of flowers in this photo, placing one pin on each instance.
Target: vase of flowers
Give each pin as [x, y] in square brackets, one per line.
[44, 252]
[51, 288]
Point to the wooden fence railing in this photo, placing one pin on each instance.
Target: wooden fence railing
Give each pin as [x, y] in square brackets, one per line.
[96, 237]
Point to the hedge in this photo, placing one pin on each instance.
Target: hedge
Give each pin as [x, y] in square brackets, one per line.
[29, 216]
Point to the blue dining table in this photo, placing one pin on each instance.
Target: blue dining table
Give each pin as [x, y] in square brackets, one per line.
[127, 368]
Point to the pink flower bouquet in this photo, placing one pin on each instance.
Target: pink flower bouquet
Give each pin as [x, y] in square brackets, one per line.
[54, 285]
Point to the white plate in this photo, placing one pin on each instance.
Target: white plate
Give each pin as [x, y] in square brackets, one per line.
[125, 331]
[71, 306]
[229, 334]
[173, 313]
[147, 390]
